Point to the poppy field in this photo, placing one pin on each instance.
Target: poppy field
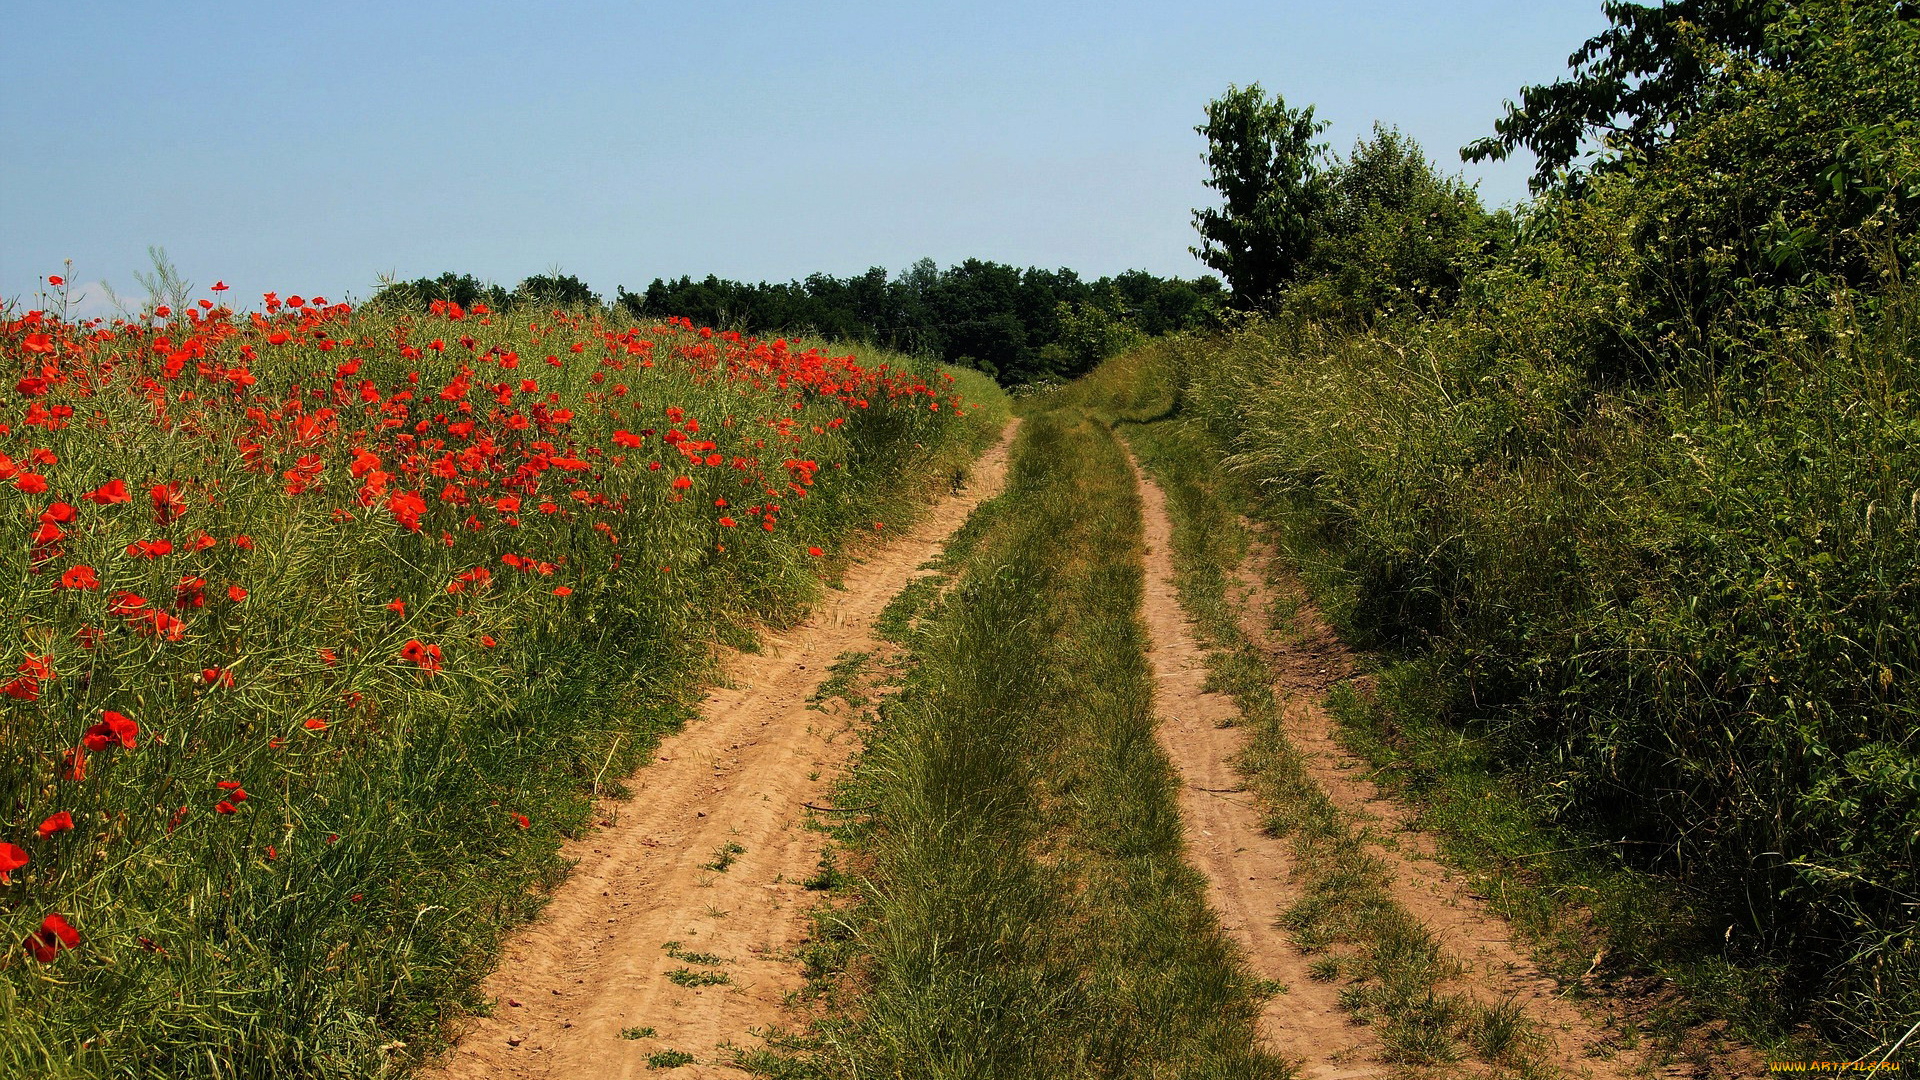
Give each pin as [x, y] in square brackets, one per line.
[326, 626]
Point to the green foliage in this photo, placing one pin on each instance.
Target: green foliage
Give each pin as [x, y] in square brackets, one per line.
[1394, 236]
[1264, 163]
[414, 297]
[1652, 68]
[1017, 325]
[554, 290]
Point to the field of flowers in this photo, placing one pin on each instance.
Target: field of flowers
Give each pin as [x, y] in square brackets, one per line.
[324, 627]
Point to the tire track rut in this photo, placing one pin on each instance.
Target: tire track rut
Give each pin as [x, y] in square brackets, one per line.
[1250, 874]
[578, 987]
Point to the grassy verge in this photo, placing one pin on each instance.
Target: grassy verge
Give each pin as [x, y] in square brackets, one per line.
[1394, 973]
[1022, 906]
[1593, 920]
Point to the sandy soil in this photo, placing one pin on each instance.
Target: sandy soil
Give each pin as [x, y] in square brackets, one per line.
[595, 963]
[1249, 874]
[1307, 659]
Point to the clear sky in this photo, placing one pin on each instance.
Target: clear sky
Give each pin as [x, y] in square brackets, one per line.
[313, 147]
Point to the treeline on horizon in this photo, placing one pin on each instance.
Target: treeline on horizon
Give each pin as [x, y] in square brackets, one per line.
[1627, 478]
[1017, 325]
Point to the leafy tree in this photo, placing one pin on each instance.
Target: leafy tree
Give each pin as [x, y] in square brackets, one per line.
[1631, 83]
[1265, 165]
[554, 289]
[1393, 233]
[462, 289]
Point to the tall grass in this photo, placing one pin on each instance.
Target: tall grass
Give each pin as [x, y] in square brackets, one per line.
[1682, 613]
[390, 599]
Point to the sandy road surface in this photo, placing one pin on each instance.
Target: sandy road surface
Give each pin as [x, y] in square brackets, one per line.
[1249, 874]
[594, 964]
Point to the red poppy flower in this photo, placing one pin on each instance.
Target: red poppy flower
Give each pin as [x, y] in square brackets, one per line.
[562, 590]
[54, 934]
[815, 552]
[521, 820]
[80, 577]
[236, 594]
[487, 642]
[31, 483]
[316, 724]
[397, 606]
[55, 280]
[12, 857]
[59, 822]
[225, 807]
[682, 483]
[111, 730]
[113, 491]
[218, 286]
[167, 503]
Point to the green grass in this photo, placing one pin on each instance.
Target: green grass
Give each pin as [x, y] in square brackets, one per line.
[668, 1059]
[842, 681]
[636, 1033]
[675, 950]
[723, 857]
[1023, 908]
[1392, 970]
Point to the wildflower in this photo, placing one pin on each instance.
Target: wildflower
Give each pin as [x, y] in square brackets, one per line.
[315, 724]
[236, 594]
[521, 820]
[815, 552]
[562, 590]
[113, 729]
[397, 606]
[167, 503]
[54, 934]
[225, 807]
[427, 656]
[12, 857]
[59, 822]
[80, 577]
[113, 491]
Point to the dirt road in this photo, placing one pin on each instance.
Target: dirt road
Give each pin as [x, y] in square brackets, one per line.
[675, 931]
[1249, 873]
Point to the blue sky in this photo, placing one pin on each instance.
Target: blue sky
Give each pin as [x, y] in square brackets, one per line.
[311, 148]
